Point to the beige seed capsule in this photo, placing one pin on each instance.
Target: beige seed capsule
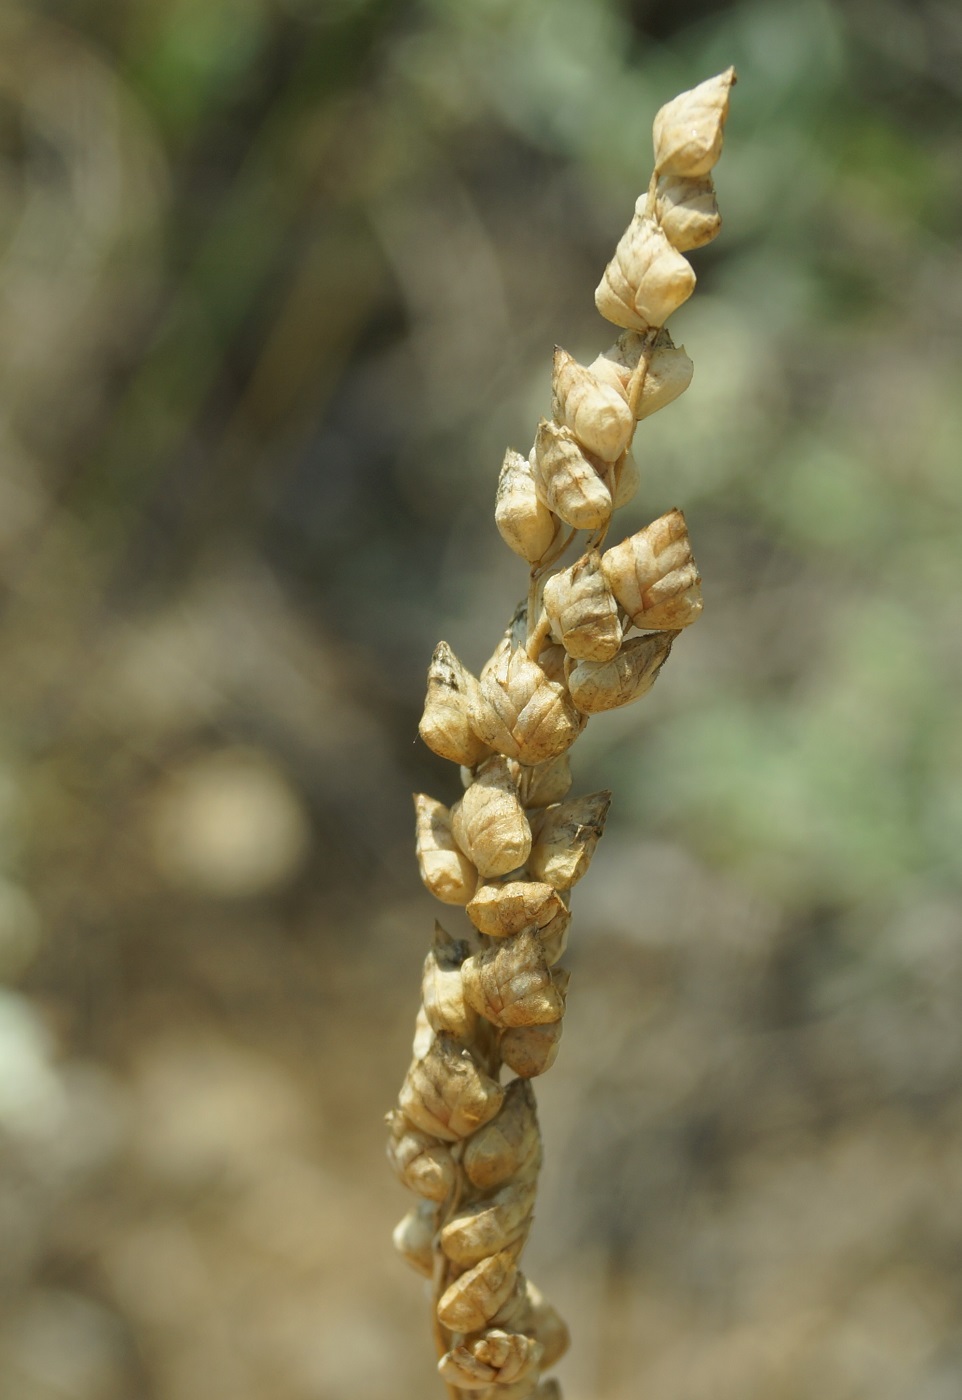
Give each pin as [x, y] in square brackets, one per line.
[582, 610]
[442, 991]
[445, 726]
[554, 936]
[499, 911]
[627, 480]
[566, 839]
[667, 374]
[526, 524]
[446, 1094]
[489, 823]
[567, 481]
[423, 1035]
[532, 1050]
[414, 1236]
[546, 1325]
[595, 412]
[510, 983]
[653, 575]
[508, 1145]
[646, 280]
[445, 869]
[484, 1228]
[607, 685]
[546, 782]
[688, 130]
[423, 1164]
[496, 1358]
[473, 1300]
[687, 211]
[521, 712]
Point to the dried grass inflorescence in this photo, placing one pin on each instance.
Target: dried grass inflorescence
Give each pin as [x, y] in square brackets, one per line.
[511, 848]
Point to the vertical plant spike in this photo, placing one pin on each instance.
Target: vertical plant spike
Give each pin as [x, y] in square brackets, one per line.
[513, 844]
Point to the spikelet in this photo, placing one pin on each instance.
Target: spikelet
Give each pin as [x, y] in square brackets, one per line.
[445, 869]
[442, 990]
[473, 1300]
[489, 823]
[506, 1146]
[525, 523]
[521, 712]
[546, 1326]
[606, 685]
[546, 782]
[567, 838]
[446, 1094]
[499, 911]
[653, 574]
[595, 412]
[414, 1237]
[510, 983]
[646, 280]
[567, 481]
[495, 1358]
[500, 1222]
[627, 480]
[667, 373]
[582, 610]
[531, 1050]
[687, 210]
[445, 726]
[688, 130]
[554, 936]
[424, 1165]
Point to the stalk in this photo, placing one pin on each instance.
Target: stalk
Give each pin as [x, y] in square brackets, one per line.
[592, 636]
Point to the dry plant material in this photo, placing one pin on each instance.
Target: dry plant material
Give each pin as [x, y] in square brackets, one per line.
[513, 845]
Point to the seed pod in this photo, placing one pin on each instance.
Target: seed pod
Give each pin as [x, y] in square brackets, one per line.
[545, 782]
[510, 983]
[489, 822]
[442, 991]
[495, 1358]
[646, 280]
[607, 685]
[446, 1094]
[668, 372]
[526, 524]
[482, 1229]
[688, 130]
[503, 910]
[531, 1050]
[446, 871]
[554, 937]
[521, 712]
[627, 480]
[414, 1236]
[545, 1324]
[687, 211]
[596, 414]
[474, 1298]
[423, 1035]
[567, 838]
[508, 1145]
[567, 481]
[582, 610]
[423, 1164]
[445, 726]
[653, 575]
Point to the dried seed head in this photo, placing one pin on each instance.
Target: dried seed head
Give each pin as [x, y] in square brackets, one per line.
[521, 712]
[606, 685]
[653, 575]
[686, 209]
[627, 480]
[496, 1358]
[526, 524]
[688, 130]
[445, 726]
[582, 610]
[566, 479]
[442, 992]
[489, 822]
[472, 1300]
[503, 910]
[508, 1145]
[510, 983]
[646, 280]
[446, 871]
[546, 782]
[595, 412]
[446, 1094]
[545, 1325]
[421, 1162]
[566, 839]
[482, 1229]
[531, 1050]
[414, 1236]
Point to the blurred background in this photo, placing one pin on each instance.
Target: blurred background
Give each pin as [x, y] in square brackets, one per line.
[279, 282]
